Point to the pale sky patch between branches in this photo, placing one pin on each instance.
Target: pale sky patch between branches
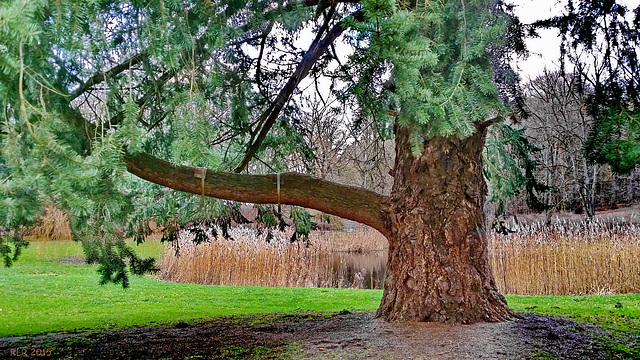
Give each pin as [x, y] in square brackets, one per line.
[545, 50]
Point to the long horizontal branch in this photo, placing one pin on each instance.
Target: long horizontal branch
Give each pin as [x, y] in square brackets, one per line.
[298, 189]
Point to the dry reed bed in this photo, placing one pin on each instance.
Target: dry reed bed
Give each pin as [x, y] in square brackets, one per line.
[53, 224]
[567, 258]
[248, 260]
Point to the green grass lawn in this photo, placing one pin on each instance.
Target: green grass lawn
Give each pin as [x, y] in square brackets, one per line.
[614, 312]
[40, 294]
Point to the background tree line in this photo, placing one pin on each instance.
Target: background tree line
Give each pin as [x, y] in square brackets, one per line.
[559, 127]
[562, 128]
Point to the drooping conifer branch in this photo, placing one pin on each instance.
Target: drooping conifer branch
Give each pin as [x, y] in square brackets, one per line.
[345, 201]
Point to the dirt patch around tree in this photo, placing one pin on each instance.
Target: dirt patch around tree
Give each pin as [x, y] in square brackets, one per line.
[349, 336]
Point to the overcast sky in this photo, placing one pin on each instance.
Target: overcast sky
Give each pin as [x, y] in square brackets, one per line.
[546, 49]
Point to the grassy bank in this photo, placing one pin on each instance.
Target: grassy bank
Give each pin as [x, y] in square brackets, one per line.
[614, 312]
[42, 294]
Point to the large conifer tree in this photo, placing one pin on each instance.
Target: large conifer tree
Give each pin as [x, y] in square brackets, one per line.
[93, 91]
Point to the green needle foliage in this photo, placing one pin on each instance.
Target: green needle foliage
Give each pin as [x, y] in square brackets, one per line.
[615, 139]
[442, 77]
[510, 169]
[83, 83]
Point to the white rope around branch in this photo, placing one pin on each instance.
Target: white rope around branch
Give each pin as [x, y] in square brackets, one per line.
[201, 173]
[278, 186]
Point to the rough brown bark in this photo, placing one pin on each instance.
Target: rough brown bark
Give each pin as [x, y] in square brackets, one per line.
[438, 268]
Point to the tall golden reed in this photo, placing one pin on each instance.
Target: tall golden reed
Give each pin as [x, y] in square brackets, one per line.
[52, 225]
[567, 259]
[243, 261]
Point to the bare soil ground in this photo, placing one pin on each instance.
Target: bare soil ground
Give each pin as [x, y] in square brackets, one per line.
[349, 336]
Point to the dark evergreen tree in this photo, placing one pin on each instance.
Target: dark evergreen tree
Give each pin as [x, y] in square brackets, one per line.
[201, 96]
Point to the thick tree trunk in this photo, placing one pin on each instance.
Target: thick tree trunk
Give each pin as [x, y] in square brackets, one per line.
[438, 267]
